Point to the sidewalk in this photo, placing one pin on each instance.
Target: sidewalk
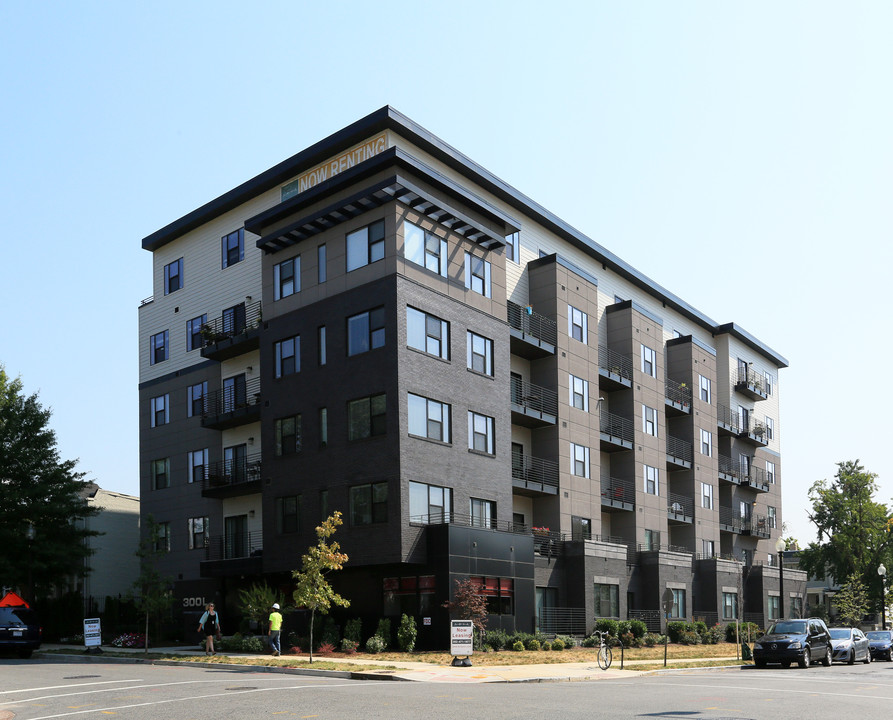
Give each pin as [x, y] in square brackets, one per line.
[410, 671]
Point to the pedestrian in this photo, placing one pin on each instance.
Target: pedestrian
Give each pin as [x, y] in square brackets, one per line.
[209, 624]
[275, 629]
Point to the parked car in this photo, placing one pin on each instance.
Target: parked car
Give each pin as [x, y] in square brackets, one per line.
[803, 640]
[880, 643]
[20, 630]
[849, 645]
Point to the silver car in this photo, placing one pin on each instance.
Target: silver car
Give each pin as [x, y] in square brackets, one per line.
[849, 645]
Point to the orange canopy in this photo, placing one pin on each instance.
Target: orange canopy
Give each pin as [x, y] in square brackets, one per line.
[12, 600]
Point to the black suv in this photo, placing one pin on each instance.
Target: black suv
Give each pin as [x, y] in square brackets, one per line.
[802, 640]
[20, 630]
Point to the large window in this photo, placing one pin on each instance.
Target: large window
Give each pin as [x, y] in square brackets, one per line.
[477, 275]
[159, 411]
[173, 276]
[366, 417]
[649, 361]
[369, 503]
[365, 331]
[679, 610]
[480, 433]
[288, 514]
[483, 513]
[649, 420]
[579, 460]
[427, 333]
[198, 532]
[158, 347]
[232, 247]
[499, 593]
[579, 393]
[577, 324]
[288, 435]
[287, 278]
[365, 246]
[773, 607]
[288, 356]
[425, 249]
[195, 399]
[607, 600]
[194, 332]
[652, 480]
[480, 354]
[429, 503]
[652, 540]
[581, 528]
[428, 418]
[729, 605]
[160, 471]
[197, 465]
[708, 549]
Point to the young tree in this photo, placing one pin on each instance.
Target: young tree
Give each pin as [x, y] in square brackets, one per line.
[470, 604]
[39, 490]
[852, 601]
[256, 601]
[153, 592]
[313, 590]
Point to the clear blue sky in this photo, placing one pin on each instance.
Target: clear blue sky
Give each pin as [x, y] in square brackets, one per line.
[740, 154]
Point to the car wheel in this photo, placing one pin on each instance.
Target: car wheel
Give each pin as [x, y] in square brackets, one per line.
[826, 661]
[867, 659]
[803, 660]
[890, 655]
[852, 658]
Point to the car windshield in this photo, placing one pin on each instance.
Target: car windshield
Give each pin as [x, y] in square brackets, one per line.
[879, 635]
[840, 633]
[788, 628]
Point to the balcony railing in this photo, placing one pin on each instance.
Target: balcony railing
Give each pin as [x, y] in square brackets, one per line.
[561, 621]
[726, 419]
[679, 452]
[532, 323]
[730, 520]
[680, 507]
[678, 394]
[535, 473]
[234, 546]
[756, 478]
[232, 397]
[758, 525]
[236, 471]
[536, 400]
[234, 321]
[729, 470]
[751, 383]
[615, 366]
[618, 492]
[617, 427]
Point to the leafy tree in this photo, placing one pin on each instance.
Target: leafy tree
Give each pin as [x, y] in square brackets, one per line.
[313, 590]
[255, 602]
[153, 592]
[852, 601]
[469, 604]
[39, 489]
[406, 633]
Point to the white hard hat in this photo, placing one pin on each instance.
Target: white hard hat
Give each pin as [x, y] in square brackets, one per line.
[275, 606]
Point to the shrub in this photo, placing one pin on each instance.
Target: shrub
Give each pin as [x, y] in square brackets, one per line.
[590, 642]
[130, 640]
[518, 646]
[652, 639]
[713, 634]
[630, 640]
[638, 628]
[745, 630]
[406, 633]
[384, 631]
[623, 628]
[325, 648]
[496, 639]
[569, 642]
[295, 650]
[353, 629]
[676, 628]
[689, 637]
[700, 627]
[533, 644]
[547, 646]
[349, 646]
[331, 634]
[375, 644]
[557, 644]
[607, 625]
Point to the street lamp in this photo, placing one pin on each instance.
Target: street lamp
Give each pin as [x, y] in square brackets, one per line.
[29, 535]
[882, 571]
[780, 547]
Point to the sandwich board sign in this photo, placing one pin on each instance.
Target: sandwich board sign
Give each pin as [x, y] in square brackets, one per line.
[92, 633]
[462, 640]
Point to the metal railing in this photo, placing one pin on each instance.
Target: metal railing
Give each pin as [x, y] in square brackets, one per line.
[731, 519]
[147, 300]
[651, 618]
[234, 321]
[234, 546]
[679, 449]
[729, 467]
[534, 397]
[232, 397]
[616, 426]
[614, 363]
[663, 547]
[532, 323]
[534, 471]
[678, 393]
[758, 525]
[727, 418]
[234, 471]
[751, 380]
[680, 505]
[618, 490]
[561, 621]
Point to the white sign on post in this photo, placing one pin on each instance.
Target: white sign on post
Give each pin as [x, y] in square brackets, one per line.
[461, 637]
[92, 633]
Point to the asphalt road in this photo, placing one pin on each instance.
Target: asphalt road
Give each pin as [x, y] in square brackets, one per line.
[58, 688]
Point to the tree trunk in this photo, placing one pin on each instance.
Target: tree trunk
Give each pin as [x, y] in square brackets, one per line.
[146, 640]
[312, 614]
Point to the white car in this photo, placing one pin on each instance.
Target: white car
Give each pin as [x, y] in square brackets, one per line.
[849, 645]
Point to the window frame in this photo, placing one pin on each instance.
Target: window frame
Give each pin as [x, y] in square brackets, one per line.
[471, 339]
[474, 420]
[288, 523]
[280, 284]
[284, 350]
[482, 512]
[442, 512]
[482, 283]
[652, 422]
[169, 276]
[191, 466]
[572, 325]
[232, 243]
[163, 540]
[580, 454]
[282, 441]
[649, 358]
[321, 263]
[652, 479]
[414, 404]
[194, 340]
[377, 507]
[706, 388]
[422, 342]
[194, 534]
[375, 423]
[578, 389]
[159, 347]
[706, 442]
[707, 497]
[420, 250]
[156, 407]
[366, 239]
[165, 473]
[193, 397]
[374, 333]
[612, 601]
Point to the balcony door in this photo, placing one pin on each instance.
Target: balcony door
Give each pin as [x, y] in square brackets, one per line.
[234, 393]
[235, 539]
[234, 319]
[234, 461]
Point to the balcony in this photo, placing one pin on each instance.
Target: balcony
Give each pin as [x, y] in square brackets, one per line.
[235, 332]
[618, 494]
[679, 452]
[533, 405]
[726, 421]
[680, 508]
[751, 384]
[753, 431]
[755, 478]
[234, 554]
[729, 470]
[236, 403]
[730, 521]
[615, 370]
[616, 433]
[533, 476]
[757, 526]
[677, 397]
[532, 335]
[232, 478]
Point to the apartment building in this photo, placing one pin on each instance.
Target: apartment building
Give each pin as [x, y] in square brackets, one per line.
[380, 326]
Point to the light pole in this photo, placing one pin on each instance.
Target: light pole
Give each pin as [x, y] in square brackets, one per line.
[780, 547]
[882, 571]
[29, 535]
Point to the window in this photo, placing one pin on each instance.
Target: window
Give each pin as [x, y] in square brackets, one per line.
[649, 361]
[581, 528]
[158, 347]
[770, 382]
[323, 427]
[706, 496]
[288, 356]
[428, 418]
[427, 333]
[365, 246]
[477, 275]
[198, 532]
[159, 414]
[197, 465]
[483, 513]
[498, 592]
[579, 460]
[770, 428]
[480, 354]
[369, 503]
[365, 331]
[652, 540]
[235, 393]
[607, 600]
[425, 249]
[160, 471]
[652, 480]
[173, 276]
[577, 324]
[288, 514]
[429, 503]
[287, 278]
[707, 548]
[321, 264]
[195, 399]
[194, 332]
[321, 344]
[288, 435]
[773, 518]
[480, 433]
[162, 537]
[235, 464]
[773, 607]
[366, 417]
[706, 389]
[234, 320]
[579, 393]
[678, 610]
[706, 442]
[513, 247]
[729, 605]
[649, 420]
[770, 472]
[233, 248]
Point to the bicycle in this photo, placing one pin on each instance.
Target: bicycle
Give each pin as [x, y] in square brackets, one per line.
[604, 651]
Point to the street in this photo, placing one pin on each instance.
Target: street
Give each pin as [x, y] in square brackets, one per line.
[59, 688]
